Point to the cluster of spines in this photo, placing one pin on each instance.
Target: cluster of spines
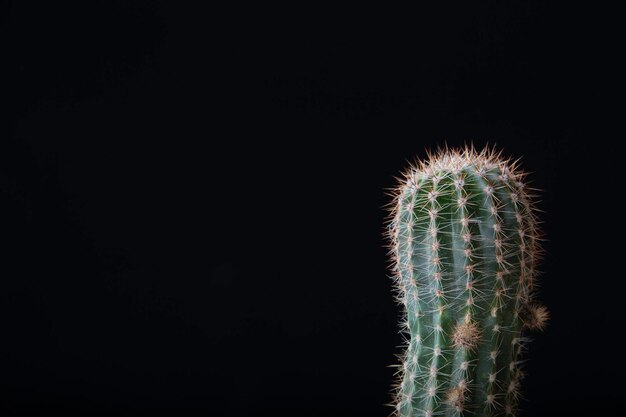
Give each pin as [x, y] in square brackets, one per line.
[464, 244]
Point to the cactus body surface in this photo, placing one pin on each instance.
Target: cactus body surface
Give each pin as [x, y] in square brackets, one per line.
[464, 243]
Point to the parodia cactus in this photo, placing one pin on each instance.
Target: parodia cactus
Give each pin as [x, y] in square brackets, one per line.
[464, 244]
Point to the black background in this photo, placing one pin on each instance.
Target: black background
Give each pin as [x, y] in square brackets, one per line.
[191, 197]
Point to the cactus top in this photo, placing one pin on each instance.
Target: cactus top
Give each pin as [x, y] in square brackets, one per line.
[464, 244]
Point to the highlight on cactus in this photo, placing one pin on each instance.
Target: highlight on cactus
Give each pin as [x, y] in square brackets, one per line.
[464, 242]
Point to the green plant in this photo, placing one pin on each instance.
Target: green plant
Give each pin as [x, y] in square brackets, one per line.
[464, 243]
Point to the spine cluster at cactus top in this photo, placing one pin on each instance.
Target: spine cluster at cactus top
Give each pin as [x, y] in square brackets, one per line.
[464, 242]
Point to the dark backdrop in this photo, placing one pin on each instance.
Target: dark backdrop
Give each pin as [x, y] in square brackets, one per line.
[191, 198]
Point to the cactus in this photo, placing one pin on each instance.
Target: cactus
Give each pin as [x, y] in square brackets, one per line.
[464, 245]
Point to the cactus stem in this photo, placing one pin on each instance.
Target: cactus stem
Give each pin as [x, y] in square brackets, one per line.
[464, 243]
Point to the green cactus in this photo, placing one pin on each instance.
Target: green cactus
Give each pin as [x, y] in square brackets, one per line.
[464, 242]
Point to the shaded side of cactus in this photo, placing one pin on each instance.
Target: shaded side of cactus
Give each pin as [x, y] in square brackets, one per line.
[465, 243]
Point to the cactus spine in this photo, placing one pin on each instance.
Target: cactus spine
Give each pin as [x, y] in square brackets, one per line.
[464, 243]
